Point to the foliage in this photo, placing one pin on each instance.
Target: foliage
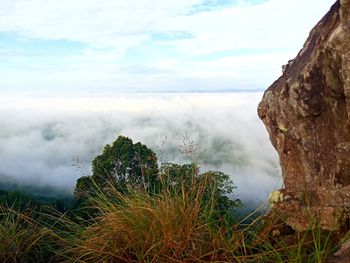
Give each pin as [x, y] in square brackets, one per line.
[219, 188]
[129, 211]
[17, 200]
[172, 226]
[176, 226]
[123, 163]
[29, 235]
[19, 237]
[126, 165]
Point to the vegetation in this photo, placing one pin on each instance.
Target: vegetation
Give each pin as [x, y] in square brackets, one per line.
[131, 210]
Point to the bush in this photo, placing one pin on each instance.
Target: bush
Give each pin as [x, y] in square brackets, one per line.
[172, 226]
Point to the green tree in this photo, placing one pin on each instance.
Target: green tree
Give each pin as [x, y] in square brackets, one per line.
[17, 200]
[219, 188]
[179, 175]
[122, 164]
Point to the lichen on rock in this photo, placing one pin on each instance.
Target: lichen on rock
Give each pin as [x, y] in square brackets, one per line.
[306, 112]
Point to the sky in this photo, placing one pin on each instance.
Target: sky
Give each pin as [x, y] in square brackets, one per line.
[101, 46]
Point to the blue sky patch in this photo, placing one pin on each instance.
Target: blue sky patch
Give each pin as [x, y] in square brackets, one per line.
[149, 51]
[170, 36]
[35, 46]
[239, 52]
[210, 5]
[32, 53]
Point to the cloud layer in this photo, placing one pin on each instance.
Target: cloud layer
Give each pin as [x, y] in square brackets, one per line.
[40, 137]
[140, 45]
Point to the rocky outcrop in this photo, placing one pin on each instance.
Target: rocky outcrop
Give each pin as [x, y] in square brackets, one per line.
[307, 114]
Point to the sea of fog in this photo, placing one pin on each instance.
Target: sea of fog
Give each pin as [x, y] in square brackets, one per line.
[51, 141]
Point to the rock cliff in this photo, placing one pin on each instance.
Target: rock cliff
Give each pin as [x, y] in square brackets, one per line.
[307, 114]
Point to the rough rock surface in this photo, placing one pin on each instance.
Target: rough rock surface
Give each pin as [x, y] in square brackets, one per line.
[307, 114]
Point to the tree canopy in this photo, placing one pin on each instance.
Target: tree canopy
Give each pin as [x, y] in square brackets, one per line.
[125, 164]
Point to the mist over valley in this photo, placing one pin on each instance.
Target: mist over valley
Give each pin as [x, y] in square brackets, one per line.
[49, 142]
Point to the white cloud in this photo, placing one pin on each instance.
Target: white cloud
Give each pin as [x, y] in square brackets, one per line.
[274, 24]
[278, 26]
[117, 24]
[40, 136]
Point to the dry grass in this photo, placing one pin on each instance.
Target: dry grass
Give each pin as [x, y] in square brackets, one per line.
[176, 226]
[21, 237]
[173, 226]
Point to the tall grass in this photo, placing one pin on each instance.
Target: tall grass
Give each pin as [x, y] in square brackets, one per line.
[172, 226]
[21, 237]
[39, 234]
[175, 225]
